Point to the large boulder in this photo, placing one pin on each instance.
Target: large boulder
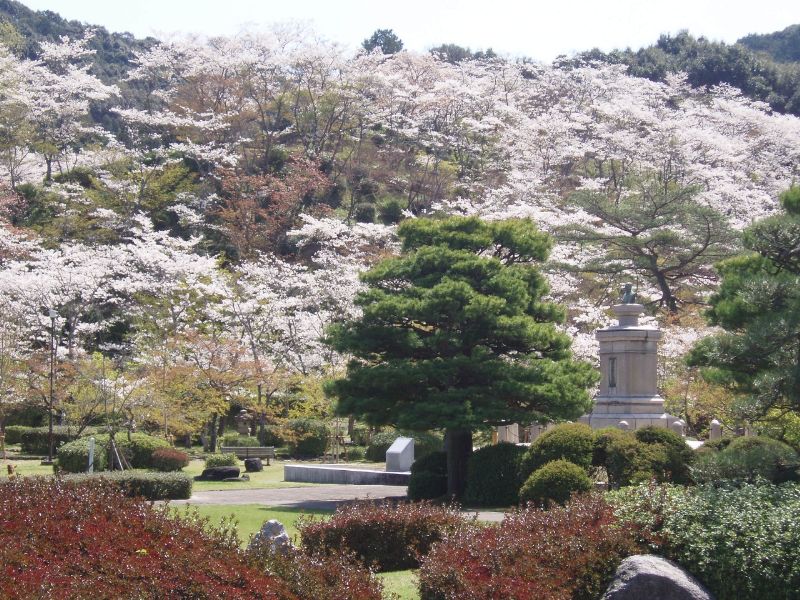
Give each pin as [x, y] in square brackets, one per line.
[654, 578]
[273, 536]
[253, 465]
[218, 474]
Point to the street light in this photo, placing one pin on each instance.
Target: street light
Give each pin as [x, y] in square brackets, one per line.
[52, 314]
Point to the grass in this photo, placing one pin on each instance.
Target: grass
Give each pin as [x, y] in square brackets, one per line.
[404, 584]
[250, 517]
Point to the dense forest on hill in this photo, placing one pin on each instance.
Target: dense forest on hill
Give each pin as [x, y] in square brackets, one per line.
[199, 222]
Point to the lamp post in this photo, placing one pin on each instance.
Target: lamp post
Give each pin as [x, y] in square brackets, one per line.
[52, 314]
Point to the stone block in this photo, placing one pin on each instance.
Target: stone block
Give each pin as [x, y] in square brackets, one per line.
[400, 455]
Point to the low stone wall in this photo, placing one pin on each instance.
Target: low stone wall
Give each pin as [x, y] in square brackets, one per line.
[337, 474]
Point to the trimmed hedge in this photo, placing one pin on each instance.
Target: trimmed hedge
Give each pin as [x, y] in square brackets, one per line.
[149, 485]
[36, 440]
[556, 481]
[679, 455]
[14, 433]
[569, 441]
[240, 441]
[309, 437]
[493, 476]
[389, 536]
[221, 460]
[138, 451]
[428, 477]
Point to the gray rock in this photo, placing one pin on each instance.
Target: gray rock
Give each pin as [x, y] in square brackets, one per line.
[274, 535]
[253, 465]
[647, 577]
[218, 474]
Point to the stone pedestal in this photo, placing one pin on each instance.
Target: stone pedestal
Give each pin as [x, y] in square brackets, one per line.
[629, 369]
[400, 455]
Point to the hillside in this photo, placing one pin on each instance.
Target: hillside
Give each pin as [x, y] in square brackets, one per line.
[114, 51]
[782, 46]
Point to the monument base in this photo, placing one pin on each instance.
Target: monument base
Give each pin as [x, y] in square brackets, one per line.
[636, 411]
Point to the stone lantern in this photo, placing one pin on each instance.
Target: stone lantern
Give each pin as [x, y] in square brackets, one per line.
[629, 372]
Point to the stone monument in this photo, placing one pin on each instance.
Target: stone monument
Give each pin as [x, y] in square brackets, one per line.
[629, 372]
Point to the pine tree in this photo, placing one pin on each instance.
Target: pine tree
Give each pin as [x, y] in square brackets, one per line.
[456, 334]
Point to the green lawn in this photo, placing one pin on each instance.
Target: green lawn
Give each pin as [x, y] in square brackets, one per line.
[402, 583]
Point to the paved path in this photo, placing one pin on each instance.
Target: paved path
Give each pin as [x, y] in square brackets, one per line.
[317, 497]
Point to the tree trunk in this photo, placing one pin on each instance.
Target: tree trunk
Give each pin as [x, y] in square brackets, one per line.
[212, 434]
[458, 445]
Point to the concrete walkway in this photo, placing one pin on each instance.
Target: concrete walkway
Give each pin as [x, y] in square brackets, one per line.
[317, 497]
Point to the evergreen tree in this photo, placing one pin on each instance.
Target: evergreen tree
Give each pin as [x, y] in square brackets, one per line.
[456, 334]
[758, 306]
[385, 39]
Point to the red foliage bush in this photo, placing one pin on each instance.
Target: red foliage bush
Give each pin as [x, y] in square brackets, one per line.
[388, 536]
[169, 459]
[88, 540]
[565, 553]
[321, 577]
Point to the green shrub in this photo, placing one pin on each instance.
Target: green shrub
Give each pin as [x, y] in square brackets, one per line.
[603, 438]
[14, 433]
[556, 481]
[679, 456]
[425, 442]
[139, 448]
[364, 212]
[309, 437]
[390, 212]
[169, 459]
[748, 459]
[428, 477]
[138, 451]
[493, 476]
[741, 541]
[630, 461]
[221, 460]
[353, 453]
[569, 441]
[718, 444]
[361, 435]
[153, 486]
[239, 441]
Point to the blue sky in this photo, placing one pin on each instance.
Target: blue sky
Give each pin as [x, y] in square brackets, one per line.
[534, 28]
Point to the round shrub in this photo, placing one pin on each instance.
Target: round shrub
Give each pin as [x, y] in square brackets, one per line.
[569, 441]
[718, 444]
[221, 460]
[73, 457]
[428, 477]
[309, 437]
[169, 459]
[630, 461]
[390, 212]
[603, 438]
[678, 454]
[139, 448]
[493, 476]
[425, 442]
[353, 453]
[239, 441]
[556, 481]
[748, 459]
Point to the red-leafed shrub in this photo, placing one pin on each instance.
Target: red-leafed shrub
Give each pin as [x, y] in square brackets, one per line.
[319, 577]
[169, 459]
[567, 553]
[88, 540]
[388, 536]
